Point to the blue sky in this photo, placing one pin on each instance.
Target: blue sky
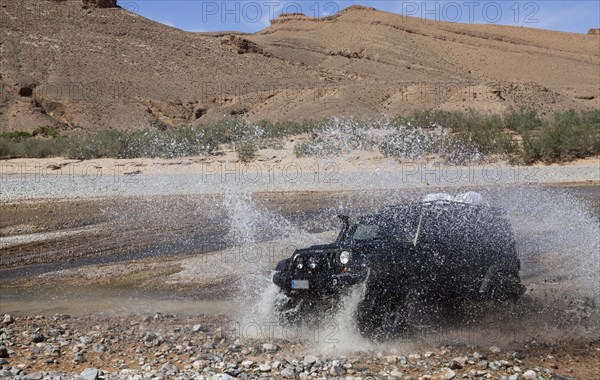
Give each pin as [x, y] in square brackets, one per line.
[251, 15]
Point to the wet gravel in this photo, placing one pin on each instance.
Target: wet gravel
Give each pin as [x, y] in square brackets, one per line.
[166, 346]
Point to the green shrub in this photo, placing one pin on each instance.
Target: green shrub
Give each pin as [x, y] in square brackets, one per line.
[458, 137]
[15, 135]
[485, 133]
[246, 150]
[567, 136]
[316, 147]
[523, 120]
[270, 143]
[46, 131]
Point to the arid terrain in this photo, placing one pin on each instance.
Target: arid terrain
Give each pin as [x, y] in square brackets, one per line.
[175, 283]
[73, 65]
[160, 268]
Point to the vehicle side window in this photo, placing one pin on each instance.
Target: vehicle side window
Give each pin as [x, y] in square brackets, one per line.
[404, 226]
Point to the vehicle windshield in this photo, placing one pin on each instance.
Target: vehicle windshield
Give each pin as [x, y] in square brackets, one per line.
[364, 232]
[398, 226]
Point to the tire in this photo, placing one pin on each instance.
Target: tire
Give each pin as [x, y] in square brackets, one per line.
[381, 317]
[506, 287]
[289, 310]
[296, 310]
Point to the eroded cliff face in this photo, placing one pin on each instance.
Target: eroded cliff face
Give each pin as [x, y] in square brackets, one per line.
[89, 65]
[101, 3]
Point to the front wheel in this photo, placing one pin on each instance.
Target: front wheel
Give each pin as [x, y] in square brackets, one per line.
[505, 287]
[381, 317]
[289, 310]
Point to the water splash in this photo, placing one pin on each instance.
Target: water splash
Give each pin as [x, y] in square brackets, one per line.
[558, 242]
[391, 138]
[261, 238]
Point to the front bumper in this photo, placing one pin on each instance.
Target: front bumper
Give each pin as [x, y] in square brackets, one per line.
[320, 282]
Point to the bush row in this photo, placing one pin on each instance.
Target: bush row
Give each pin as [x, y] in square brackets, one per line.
[458, 137]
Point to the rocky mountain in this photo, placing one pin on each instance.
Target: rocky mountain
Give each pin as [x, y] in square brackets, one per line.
[88, 64]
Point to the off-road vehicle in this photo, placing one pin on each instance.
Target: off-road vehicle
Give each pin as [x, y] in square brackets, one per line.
[445, 249]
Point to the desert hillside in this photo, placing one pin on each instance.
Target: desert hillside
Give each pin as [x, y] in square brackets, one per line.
[89, 64]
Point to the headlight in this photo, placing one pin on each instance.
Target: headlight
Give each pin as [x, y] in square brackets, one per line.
[312, 263]
[299, 264]
[344, 257]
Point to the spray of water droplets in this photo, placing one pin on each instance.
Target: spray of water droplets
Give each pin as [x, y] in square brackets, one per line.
[558, 242]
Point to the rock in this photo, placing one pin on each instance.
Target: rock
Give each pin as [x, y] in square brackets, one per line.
[38, 337]
[169, 369]
[309, 359]
[530, 375]
[34, 376]
[336, 370]
[518, 355]
[3, 352]
[288, 373]
[98, 347]
[494, 365]
[414, 356]
[90, 374]
[78, 359]
[264, 367]
[199, 365]
[218, 333]
[85, 339]
[247, 363]
[594, 32]
[450, 375]
[197, 328]
[396, 373]
[8, 320]
[269, 348]
[276, 364]
[100, 3]
[234, 371]
[241, 45]
[514, 377]
[149, 337]
[495, 350]
[222, 376]
[3, 361]
[458, 362]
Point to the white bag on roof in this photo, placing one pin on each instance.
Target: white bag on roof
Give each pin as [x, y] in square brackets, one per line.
[470, 197]
[438, 197]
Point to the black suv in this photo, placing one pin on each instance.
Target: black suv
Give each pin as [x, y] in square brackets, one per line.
[442, 249]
